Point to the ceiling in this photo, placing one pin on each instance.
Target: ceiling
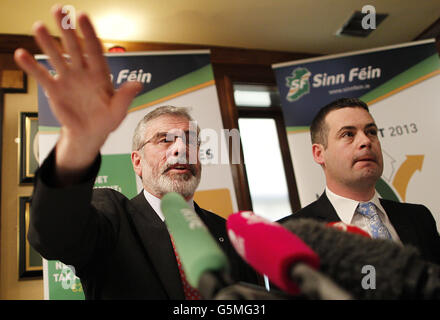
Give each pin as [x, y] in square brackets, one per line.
[280, 25]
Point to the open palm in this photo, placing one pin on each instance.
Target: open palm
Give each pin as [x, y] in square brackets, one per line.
[81, 94]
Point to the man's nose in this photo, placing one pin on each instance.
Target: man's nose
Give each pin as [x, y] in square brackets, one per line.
[180, 145]
[178, 148]
[364, 141]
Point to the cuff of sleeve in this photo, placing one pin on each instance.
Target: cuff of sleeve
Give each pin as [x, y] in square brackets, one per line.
[46, 173]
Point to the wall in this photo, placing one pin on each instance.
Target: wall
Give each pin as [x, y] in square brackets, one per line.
[10, 286]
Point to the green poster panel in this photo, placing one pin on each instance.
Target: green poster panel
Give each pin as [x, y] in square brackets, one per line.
[117, 173]
[62, 282]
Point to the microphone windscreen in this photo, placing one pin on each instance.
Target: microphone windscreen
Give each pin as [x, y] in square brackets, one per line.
[269, 248]
[348, 228]
[358, 263]
[198, 251]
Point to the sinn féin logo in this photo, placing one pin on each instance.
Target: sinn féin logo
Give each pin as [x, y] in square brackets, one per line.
[298, 84]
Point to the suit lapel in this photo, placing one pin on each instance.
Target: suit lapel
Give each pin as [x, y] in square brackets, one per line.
[398, 219]
[214, 225]
[323, 209]
[157, 244]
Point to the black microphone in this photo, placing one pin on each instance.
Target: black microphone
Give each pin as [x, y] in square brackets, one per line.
[369, 268]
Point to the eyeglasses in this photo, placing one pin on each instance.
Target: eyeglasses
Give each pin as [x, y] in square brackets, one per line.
[166, 139]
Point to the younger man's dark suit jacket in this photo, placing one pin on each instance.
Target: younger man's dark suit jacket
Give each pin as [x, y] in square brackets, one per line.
[119, 248]
[413, 223]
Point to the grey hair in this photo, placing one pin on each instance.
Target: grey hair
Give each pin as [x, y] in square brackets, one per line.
[138, 136]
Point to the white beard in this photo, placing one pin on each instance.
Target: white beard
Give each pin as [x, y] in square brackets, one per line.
[162, 182]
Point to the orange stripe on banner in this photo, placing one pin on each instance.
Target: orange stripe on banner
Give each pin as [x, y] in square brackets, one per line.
[409, 84]
[174, 95]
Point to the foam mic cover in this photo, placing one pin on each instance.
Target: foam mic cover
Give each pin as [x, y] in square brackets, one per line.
[348, 228]
[368, 268]
[198, 250]
[269, 248]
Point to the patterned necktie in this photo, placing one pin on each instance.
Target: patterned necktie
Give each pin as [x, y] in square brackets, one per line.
[190, 292]
[378, 229]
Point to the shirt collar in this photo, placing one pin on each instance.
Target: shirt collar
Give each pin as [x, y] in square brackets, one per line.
[155, 204]
[345, 207]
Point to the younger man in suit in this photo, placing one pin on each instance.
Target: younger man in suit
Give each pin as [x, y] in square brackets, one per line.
[346, 146]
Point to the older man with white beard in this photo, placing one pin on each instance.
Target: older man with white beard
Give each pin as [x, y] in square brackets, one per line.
[162, 144]
[120, 248]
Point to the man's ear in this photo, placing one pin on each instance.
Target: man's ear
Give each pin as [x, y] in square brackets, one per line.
[318, 153]
[136, 161]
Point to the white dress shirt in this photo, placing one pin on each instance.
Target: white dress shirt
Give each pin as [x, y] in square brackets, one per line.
[155, 204]
[346, 209]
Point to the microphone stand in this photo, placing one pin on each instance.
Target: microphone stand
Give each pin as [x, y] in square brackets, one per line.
[315, 285]
[247, 291]
[212, 281]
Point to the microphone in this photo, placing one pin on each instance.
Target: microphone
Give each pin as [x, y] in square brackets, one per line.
[247, 291]
[206, 266]
[348, 228]
[283, 257]
[369, 268]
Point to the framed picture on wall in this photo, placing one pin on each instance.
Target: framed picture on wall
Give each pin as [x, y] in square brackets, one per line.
[30, 263]
[28, 146]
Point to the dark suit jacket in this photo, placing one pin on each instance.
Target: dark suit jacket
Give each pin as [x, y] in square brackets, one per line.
[413, 223]
[119, 248]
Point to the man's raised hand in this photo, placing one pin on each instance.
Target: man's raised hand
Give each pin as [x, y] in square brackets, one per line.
[81, 94]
